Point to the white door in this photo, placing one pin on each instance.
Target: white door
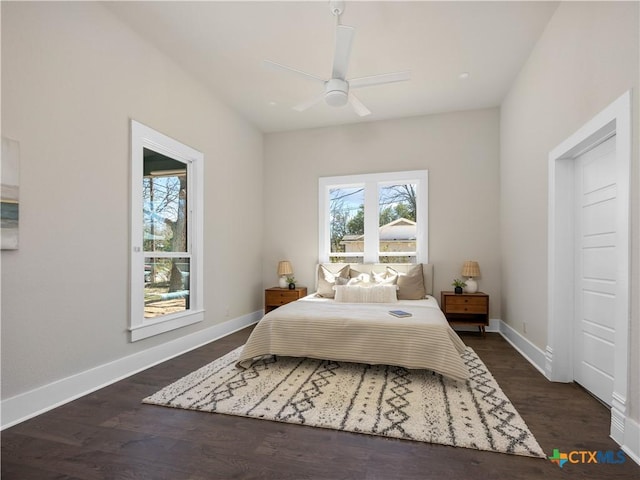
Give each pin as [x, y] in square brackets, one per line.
[595, 269]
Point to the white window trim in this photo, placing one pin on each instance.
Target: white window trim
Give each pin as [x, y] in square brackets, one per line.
[145, 137]
[372, 183]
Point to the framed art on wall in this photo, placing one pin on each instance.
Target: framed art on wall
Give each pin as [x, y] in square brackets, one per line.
[9, 193]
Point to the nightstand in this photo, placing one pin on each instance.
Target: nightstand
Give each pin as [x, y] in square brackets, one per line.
[275, 297]
[466, 309]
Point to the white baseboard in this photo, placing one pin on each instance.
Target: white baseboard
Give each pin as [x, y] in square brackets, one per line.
[627, 434]
[42, 399]
[528, 350]
[631, 443]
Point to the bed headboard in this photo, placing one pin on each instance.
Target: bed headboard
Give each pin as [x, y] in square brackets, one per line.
[427, 270]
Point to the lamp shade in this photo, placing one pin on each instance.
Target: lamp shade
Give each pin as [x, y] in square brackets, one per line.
[470, 269]
[284, 268]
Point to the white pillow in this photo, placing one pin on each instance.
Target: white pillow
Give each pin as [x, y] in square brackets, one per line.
[358, 294]
[362, 279]
[385, 278]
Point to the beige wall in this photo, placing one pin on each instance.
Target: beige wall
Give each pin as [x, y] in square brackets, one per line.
[461, 152]
[72, 77]
[586, 58]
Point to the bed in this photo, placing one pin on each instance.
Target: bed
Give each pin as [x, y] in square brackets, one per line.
[348, 320]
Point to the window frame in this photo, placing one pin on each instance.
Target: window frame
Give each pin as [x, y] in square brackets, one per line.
[145, 137]
[372, 183]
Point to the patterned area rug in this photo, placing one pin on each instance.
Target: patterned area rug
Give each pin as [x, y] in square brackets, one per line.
[372, 399]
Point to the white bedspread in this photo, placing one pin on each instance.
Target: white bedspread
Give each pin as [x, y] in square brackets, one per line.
[361, 333]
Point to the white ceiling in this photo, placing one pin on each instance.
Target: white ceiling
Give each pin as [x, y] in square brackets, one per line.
[223, 44]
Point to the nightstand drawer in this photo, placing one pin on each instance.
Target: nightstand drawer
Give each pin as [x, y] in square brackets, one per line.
[280, 297]
[465, 300]
[466, 308]
[466, 304]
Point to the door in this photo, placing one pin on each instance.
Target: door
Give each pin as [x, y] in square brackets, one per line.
[595, 269]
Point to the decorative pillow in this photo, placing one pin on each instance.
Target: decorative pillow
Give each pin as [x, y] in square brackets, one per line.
[410, 284]
[358, 294]
[362, 279]
[385, 278]
[327, 280]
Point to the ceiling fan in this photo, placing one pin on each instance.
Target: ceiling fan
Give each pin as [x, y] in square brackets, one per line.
[337, 90]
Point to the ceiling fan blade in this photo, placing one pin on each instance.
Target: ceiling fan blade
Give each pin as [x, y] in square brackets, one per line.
[379, 79]
[309, 103]
[358, 106]
[277, 66]
[344, 39]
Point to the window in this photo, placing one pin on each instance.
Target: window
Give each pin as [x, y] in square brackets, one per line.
[166, 233]
[374, 218]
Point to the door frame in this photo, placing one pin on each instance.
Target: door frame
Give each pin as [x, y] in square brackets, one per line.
[614, 119]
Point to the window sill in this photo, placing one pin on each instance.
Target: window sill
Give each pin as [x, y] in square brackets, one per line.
[157, 326]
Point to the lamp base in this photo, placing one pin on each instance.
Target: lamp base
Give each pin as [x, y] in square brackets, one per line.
[282, 282]
[471, 285]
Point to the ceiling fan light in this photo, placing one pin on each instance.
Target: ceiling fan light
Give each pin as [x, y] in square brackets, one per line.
[336, 98]
[336, 92]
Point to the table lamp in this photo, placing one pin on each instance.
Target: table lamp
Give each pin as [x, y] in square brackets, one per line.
[471, 269]
[284, 270]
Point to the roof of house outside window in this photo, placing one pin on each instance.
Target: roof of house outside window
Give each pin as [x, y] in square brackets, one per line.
[401, 229]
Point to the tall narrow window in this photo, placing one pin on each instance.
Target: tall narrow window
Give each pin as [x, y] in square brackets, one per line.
[398, 229]
[346, 223]
[374, 218]
[166, 233]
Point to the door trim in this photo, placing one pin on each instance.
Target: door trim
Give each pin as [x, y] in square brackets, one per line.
[614, 119]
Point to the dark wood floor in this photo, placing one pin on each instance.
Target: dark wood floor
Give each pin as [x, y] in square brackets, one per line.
[109, 434]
